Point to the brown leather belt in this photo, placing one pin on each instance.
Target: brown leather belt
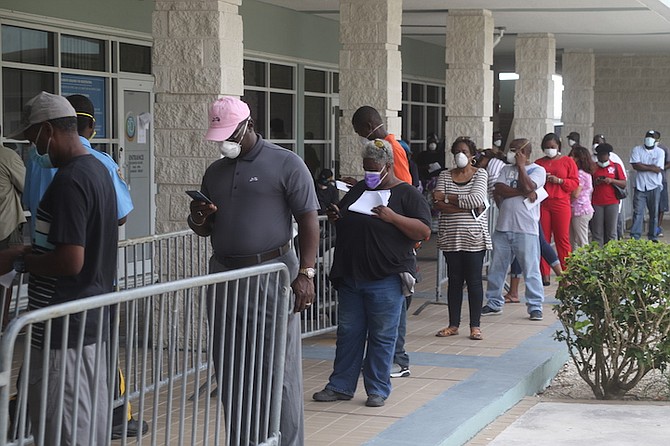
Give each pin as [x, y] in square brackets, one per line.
[245, 261]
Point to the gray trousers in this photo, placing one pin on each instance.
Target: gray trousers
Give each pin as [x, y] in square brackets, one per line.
[604, 223]
[231, 352]
[93, 390]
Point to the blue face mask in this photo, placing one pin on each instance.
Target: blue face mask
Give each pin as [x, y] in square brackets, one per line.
[44, 160]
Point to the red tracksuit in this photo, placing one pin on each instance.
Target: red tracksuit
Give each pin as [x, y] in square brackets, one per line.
[555, 210]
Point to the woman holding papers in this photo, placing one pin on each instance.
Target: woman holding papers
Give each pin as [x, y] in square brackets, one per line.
[463, 236]
[378, 222]
[556, 210]
[605, 203]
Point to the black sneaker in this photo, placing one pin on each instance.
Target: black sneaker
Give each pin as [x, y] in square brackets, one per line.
[488, 311]
[375, 401]
[327, 395]
[132, 430]
[399, 371]
[535, 315]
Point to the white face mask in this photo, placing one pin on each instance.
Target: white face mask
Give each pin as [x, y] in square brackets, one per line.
[497, 142]
[511, 158]
[649, 141]
[571, 142]
[603, 163]
[232, 149]
[432, 146]
[461, 160]
[551, 153]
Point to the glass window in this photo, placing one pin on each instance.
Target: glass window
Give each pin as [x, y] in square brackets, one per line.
[417, 92]
[254, 73]
[281, 116]
[18, 86]
[315, 157]
[433, 120]
[432, 94]
[405, 122]
[256, 101]
[315, 80]
[82, 53]
[134, 58]
[336, 82]
[315, 117]
[417, 123]
[404, 91]
[281, 76]
[27, 46]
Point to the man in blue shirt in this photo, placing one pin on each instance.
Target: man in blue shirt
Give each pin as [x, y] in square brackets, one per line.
[648, 160]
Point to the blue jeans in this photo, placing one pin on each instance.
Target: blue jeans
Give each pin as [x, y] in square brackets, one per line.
[546, 250]
[526, 248]
[400, 356]
[650, 199]
[368, 310]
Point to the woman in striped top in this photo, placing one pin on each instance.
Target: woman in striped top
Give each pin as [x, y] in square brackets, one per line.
[463, 235]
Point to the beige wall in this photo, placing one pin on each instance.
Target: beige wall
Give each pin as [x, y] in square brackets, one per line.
[632, 95]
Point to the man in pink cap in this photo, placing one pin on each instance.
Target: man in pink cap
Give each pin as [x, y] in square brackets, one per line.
[255, 191]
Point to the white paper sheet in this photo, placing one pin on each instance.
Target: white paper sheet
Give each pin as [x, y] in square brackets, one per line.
[341, 185]
[541, 195]
[479, 215]
[7, 279]
[370, 199]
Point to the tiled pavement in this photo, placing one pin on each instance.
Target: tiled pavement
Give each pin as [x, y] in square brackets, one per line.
[457, 387]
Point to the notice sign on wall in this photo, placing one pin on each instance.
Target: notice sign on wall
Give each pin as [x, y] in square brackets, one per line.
[92, 87]
[136, 164]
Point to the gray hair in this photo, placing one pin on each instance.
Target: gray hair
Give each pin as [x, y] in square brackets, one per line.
[378, 150]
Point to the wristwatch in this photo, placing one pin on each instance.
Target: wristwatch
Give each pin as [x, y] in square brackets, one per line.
[19, 264]
[309, 272]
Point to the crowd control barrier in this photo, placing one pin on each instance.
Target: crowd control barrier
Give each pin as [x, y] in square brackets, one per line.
[161, 337]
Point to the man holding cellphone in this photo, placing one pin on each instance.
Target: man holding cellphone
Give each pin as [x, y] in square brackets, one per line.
[254, 191]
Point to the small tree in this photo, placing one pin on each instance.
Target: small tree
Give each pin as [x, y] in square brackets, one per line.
[615, 310]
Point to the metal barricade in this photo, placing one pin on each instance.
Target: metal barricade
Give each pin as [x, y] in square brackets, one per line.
[168, 352]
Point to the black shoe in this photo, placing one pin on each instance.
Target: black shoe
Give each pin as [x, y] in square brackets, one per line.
[327, 395]
[399, 371]
[375, 401]
[488, 311]
[535, 315]
[132, 430]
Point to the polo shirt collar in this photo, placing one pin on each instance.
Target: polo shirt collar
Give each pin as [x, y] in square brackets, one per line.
[255, 150]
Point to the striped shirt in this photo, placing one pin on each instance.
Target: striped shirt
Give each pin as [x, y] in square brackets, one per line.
[461, 231]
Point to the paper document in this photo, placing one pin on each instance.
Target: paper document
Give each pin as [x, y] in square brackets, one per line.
[479, 213]
[370, 199]
[7, 279]
[341, 185]
[541, 195]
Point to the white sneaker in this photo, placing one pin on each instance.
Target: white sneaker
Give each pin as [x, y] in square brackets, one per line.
[398, 371]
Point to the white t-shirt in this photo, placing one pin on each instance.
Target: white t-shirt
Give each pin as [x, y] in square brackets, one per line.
[514, 216]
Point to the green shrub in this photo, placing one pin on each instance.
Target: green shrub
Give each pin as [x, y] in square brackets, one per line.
[615, 310]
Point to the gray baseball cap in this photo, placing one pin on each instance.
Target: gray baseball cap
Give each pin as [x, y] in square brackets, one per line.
[43, 107]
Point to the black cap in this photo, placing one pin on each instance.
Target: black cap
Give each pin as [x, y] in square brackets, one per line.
[574, 136]
[604, 148]
[325, 174]
[651, 133]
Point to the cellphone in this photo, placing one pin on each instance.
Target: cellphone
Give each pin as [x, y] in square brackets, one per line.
[198, 196]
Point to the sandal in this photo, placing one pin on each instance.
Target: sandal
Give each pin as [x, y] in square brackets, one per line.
[447, 331]
[511, 298]
[476, 334]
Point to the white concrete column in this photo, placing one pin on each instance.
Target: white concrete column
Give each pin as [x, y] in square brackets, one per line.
[197, 57]
[469, 78]
[534, 90]
[579, 78]
[370, 70]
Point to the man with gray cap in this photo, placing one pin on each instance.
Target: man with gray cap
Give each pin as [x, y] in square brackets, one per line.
[254, 190]
[73, 256]
[648, 160]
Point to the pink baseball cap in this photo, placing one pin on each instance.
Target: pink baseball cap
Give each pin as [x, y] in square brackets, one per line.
[225, 114]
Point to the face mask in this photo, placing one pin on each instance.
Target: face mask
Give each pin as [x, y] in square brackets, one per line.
[372, 131]
[374, 179]
[571, 142]
[649, 142]
[511, 158]
[232, 149]
[461, 160]
[550, 152]
[603, 163]
[497, 142]
[432, 146]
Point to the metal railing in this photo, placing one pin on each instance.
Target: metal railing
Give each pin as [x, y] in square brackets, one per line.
[167, 355]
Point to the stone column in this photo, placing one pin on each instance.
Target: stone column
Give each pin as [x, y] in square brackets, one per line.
[579, 78]
[370, 71]
[197, 57]
[534, 91]
[469, 78]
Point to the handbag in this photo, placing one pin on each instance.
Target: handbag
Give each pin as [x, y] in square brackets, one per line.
[619, 192]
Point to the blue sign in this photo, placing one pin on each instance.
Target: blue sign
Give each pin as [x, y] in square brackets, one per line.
[93, 87]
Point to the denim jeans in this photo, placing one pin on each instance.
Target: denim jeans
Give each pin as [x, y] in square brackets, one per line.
[368, 310]
[400, 356]
[650, 199]
[526, 248]
[464, 267]
[547, 252]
